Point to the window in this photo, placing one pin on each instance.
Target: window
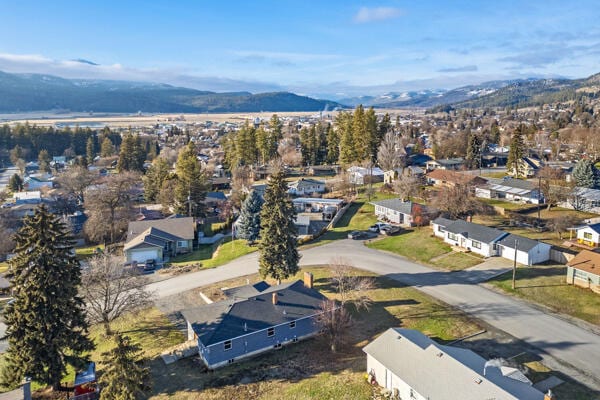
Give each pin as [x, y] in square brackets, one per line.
[476, 244]
[440, 228]
[452, 236]
[230, 361]
[271, 332]
[182, 243]
[292, 324]
[295, 339]
[587, 235]
[581, 275]
[227, 345]
[277, 346]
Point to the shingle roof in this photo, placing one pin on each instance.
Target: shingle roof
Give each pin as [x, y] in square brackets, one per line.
[594, 227]
[442, 221]
[475, 231]
[153, 237]
[404, 207]
[246, 291]
[182, 228]
[228, 319]
[587, 261]
[523, 243]
[444, 372]
[455, 177]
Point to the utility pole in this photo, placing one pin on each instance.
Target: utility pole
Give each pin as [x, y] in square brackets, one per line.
[539, 197]
[514, 277]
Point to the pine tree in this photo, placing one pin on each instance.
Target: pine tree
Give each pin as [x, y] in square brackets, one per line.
[44, 160]
[359, 134]
[347, 150]
[15, 183]
[372, 133]
[333, 145]
[585, 174]
[89, 151]
[190, 190]
[279, 236]
[473, 158]
[155, 177]
[515, 154]
[107, 148]
[124, 376]
[132, 154]
[249, 226]
[46, 325]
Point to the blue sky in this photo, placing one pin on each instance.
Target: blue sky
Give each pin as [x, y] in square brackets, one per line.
[323, 48]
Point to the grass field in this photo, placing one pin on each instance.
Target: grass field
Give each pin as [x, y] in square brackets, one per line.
[85, 252]
[419, 245]
[210, 257]
[547, 285]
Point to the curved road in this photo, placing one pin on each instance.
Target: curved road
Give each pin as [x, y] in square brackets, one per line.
[562, 341]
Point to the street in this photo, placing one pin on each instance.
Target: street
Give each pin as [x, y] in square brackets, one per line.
[569, 344]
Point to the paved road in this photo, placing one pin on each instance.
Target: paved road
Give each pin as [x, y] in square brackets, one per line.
[5, 176]
[553, 336]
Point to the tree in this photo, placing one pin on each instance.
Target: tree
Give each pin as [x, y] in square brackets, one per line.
[75, 180]
[90, 153]
[561, 223]
[516, 152]
[457, 201]
[279, 236]
[249, 226]
[552, 186]
[155, 176]
[107, 148]
[391, 153]
[585, 174]
[17, 153]
[407, 186]
[124, 376]
[473, 158]
[15, 183]
[333, 145]
[7, 244]
[46, 326]
[132, 154]
[44, 161]
[108, 207]
[110, 290]
[191, 187]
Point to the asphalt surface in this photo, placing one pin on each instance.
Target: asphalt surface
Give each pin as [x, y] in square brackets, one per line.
[569, 345]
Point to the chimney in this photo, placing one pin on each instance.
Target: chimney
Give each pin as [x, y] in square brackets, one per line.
[274, 298]
[549, 395]
[308, 280]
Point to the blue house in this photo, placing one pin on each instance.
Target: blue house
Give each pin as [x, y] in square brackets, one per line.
[254, 319]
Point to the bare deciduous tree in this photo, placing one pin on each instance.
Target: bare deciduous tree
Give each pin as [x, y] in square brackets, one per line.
[457, 201]
[391, 153]
[111, 291]
[407, 187]
[561, 223]
[76, 180]
[334, 320]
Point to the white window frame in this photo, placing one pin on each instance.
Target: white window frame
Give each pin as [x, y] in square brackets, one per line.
[271, 332]
[227, 345]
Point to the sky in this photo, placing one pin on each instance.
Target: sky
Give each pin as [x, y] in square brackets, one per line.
[328, 49]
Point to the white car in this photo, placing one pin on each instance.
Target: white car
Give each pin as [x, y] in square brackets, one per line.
[378, 227]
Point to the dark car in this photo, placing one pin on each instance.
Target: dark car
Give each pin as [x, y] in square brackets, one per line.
[356, 235]
[150, 265]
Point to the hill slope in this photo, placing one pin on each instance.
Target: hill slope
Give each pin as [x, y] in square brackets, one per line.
[34, 92]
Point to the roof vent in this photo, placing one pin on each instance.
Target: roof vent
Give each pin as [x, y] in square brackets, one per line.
[440, 354]
[478, 381]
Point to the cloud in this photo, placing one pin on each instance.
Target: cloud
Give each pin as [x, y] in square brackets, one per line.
[466, 68]
[366, 14]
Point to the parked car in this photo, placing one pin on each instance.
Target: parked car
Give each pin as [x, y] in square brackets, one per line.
[150, 265]
[378, 227]
[390, 230]
[357, 235]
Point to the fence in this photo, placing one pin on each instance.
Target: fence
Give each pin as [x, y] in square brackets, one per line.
[560, 255]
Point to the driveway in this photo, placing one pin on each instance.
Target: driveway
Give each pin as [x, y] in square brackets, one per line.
[562, 345]
[487, 270]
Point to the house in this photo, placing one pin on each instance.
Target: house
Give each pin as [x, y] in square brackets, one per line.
[411, 171]
[419, 160]
[412, 366]
[449, 178]
[490, 242]
[589, 235]
[316, 204]
[405, 213]
[515, 190]
[33, 197]
[528, 251]
[159, 239]
[528, 167]
[214, 199]
[447, 163]
[583, 199]
[39, 181]
[319, 170]
[254, 319]
[361, 176]
[304, 186]
[584, 270]
[477, 238]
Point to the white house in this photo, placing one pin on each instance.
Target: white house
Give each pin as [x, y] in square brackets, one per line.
[583, 199]
[305, 186]
[360, 175]
[589, 235]
[412, 366]
[39, 181]
[529, 251]
[405, 213]
[515, 190]
[476, 238]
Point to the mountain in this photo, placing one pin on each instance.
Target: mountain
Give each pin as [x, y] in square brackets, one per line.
[35, 92]
[394, 99]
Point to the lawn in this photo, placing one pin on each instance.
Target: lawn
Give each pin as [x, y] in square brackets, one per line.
[507, 205]
[546, 285]
[211, 257]
[85, 252]
[308, 370]
[419, 245]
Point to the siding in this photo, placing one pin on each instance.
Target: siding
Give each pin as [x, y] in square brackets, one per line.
[256, 342]
[381, 374]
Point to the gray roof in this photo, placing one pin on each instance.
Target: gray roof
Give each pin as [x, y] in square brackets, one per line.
[512, 183]
[404, 207]
[246, 291]
[153, 237]
[442, 221]
[523, 243]
[228, 319]
[475, 231]
[182, 228]
[444, 372]
[305, 182]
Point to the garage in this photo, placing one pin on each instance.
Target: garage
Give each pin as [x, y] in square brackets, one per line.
[142, 254]
[528, 251]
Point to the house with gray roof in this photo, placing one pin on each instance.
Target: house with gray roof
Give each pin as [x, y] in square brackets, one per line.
[413, 366]
[306, 186]
[254, 319]
[528, 251]
[515, 190]
[404, 213]
[159, 239]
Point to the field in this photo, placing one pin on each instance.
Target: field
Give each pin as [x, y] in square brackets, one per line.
[546, 285]
[209, 256]
[419, 245]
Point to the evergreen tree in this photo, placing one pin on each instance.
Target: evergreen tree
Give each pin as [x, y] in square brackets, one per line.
[516, 152]
[90, 153]
[107, 148]
[347, 150]
[155, 177]
[124, 377]
[359, 134]
[372, 134]
[585, 174]
[44, 161]
[279, 236]
[132, 154]
[333, 145]
[46, 325]
[249, 225]
[15, 183]
[190, 190]
[473, 158]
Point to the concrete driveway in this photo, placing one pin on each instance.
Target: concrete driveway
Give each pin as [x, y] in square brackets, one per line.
[490, 268]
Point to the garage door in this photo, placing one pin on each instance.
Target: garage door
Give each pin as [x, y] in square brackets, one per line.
[142, 255]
